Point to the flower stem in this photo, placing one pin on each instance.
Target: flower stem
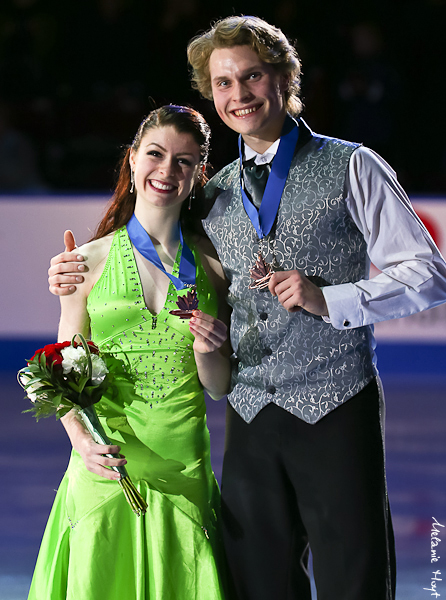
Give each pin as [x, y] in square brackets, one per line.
[134, 498]
[87, 352]
[92, 423]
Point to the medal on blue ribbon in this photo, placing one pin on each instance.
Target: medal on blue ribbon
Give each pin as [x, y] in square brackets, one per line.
[263, 218]
[142, 242]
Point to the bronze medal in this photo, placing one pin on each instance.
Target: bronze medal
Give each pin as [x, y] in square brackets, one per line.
[260, 273]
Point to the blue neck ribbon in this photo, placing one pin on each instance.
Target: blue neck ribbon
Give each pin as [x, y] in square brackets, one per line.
[142, 242]
[264, 217]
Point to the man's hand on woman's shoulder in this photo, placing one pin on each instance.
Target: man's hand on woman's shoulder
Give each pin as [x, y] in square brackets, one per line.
[66, 268]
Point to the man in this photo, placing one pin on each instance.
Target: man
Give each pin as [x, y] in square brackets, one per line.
[304, 461]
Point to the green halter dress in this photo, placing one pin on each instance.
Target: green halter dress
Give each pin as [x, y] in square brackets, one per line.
[94, 547]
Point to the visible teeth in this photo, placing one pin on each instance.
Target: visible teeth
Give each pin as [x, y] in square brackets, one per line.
[161, 186]
[245, 111]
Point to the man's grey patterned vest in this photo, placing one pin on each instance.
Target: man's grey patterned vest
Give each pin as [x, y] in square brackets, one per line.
[296, 360]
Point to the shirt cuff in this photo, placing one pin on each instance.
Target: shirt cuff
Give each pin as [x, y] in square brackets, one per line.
[344, 309]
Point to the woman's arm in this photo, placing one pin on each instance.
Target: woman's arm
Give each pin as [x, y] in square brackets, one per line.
[211, 344]
[210, 355]
[74, 319]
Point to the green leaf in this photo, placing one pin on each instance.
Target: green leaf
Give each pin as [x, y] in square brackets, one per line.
[74, 386]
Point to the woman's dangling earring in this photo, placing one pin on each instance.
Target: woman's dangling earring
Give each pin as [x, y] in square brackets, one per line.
[132, 181]
[191, 197]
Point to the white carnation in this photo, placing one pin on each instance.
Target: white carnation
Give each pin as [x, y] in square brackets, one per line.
[74, 359]
[99, 370]
[32, 389]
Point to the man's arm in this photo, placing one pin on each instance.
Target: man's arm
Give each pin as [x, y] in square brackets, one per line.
[65, 268]
[413, 272]
[413, 276]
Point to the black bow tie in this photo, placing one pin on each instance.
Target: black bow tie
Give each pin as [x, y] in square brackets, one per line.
[255, 178]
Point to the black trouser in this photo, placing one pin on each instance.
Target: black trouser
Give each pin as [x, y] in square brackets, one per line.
[288, 486]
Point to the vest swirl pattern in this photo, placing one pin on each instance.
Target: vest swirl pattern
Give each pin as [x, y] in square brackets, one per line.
[295, 360]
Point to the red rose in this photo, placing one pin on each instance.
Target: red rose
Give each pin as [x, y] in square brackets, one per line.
[93, 348]
[52, 354]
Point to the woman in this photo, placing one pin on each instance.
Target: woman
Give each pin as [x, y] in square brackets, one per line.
[94, 547]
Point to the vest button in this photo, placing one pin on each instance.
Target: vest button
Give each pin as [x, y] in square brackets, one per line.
[346, 323]
[270, 389]
[263, 316]
[267, 351]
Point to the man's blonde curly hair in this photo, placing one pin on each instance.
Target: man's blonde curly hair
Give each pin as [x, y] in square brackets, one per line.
[269, 43]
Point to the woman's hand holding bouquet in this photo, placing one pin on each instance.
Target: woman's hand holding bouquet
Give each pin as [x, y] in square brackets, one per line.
[66, 379]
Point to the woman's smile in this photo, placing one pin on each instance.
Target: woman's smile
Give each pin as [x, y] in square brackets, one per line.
[161, 186]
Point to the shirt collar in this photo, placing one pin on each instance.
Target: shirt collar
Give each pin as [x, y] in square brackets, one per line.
[262, 159]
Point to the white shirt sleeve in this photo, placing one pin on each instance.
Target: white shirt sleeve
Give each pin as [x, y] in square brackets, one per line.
[413, 276]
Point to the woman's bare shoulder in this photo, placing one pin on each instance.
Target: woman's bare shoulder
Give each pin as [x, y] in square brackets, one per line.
[95, 255]
[96, 251]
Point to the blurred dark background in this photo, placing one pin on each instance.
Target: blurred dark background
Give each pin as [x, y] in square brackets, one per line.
[76, 79]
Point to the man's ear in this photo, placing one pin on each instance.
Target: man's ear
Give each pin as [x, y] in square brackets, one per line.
[285, 82]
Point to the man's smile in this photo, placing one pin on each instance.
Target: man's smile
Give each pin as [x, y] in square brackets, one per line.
[242, 112]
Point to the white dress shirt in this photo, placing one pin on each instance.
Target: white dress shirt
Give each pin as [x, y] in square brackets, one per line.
[413, 272]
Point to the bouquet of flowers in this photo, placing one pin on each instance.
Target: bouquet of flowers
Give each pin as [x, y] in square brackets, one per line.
[68, 375]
